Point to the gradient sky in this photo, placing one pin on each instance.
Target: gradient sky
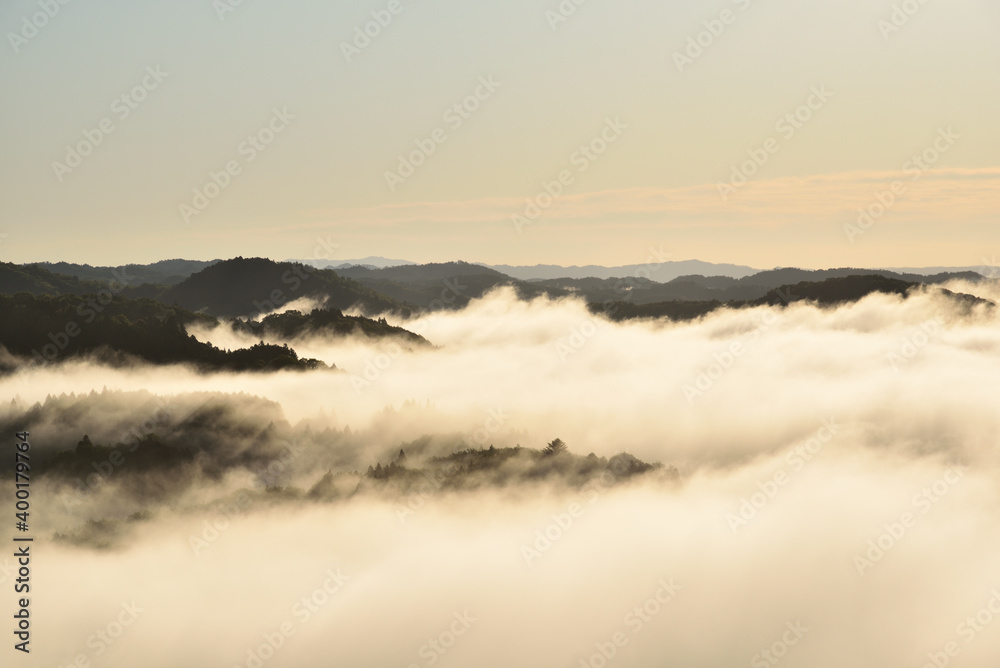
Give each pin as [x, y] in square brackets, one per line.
[323, 176]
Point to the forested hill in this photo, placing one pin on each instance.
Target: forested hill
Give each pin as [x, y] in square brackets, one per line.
[442, 286]
[256, 286]
[37, 280]
[49, 329]
[164, 272]
[291, 325]
[831, 292]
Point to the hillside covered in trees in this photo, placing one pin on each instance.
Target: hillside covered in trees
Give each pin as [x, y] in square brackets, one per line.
[119, 457]
[115, 330]
[290, 325]
[442, 286]
[257, 286]
[830, 292]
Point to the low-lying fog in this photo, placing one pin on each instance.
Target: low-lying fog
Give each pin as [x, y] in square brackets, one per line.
[837, 502]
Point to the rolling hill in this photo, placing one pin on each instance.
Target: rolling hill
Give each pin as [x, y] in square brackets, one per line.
[164, 272]
[448, 285]
[118, 331]
[829, 292]
[37, 280]
[255, 286]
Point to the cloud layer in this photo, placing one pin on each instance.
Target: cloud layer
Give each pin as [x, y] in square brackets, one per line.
[837, 502]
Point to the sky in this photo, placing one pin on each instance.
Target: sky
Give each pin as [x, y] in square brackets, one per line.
[779, 133]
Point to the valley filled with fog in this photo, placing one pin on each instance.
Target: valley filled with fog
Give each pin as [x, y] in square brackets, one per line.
[822, 492]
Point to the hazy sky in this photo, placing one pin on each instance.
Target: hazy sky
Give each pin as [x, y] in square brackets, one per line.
[338, 119]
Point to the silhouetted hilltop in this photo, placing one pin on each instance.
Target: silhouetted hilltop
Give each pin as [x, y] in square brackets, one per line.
[838, 290]
[832, 291]
[492, 467]
[721, 288]
[291, 325]
[123, 331]
[37, 280]
[164, 272]
[450, 285]
[256, 286]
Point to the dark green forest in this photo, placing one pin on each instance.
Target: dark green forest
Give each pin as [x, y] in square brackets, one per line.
[116, 330]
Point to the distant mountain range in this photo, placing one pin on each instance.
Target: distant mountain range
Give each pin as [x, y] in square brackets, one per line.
[172, 272]
[659, 272]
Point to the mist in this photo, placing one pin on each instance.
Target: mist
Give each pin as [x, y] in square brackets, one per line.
[837, 479]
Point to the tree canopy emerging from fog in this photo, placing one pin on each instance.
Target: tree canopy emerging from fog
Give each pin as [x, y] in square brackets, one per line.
[556, 447]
